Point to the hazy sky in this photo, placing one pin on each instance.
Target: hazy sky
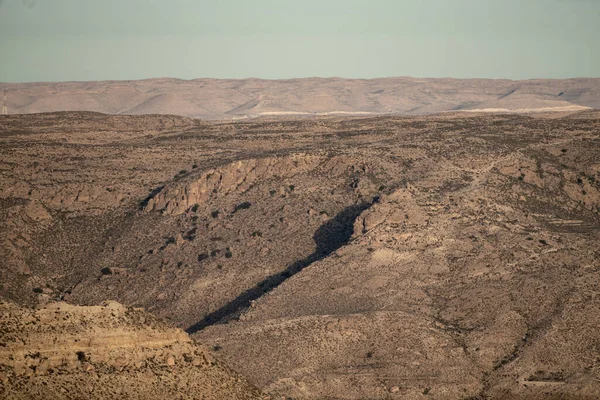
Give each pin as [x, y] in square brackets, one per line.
[55, 40]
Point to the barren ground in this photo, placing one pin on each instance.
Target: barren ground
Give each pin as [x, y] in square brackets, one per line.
[448, 257]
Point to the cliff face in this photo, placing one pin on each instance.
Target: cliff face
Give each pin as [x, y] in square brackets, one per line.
[236, 177]
[240, 176]
[108, 351]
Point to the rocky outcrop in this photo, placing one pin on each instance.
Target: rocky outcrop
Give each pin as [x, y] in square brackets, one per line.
[107, 351]
[395, 210]
[238, 177]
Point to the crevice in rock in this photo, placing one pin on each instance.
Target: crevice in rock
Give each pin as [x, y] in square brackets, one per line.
[330, 236]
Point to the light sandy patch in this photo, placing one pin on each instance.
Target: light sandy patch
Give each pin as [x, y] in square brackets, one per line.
[527, 110]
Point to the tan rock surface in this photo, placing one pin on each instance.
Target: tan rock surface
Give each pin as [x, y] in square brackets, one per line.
[67, 352]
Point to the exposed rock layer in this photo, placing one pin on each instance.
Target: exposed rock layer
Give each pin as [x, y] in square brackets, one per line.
[108, 351]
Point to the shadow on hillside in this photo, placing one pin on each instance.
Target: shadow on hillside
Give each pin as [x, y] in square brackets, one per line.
[329, 237]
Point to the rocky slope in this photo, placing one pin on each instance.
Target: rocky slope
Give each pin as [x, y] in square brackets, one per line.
[453, 297]
[234, 99]
[107, 351]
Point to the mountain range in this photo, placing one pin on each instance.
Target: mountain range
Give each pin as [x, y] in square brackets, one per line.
[247, 98]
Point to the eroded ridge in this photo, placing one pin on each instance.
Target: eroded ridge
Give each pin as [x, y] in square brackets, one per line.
[235, 177]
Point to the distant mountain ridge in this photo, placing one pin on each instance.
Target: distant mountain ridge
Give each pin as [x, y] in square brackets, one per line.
[247, 98]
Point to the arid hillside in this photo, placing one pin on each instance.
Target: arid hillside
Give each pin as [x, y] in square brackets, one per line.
[106, 352]
[248, 98]
[450, 256]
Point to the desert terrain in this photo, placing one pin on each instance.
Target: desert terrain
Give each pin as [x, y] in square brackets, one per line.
[445, 256]
[220, 99]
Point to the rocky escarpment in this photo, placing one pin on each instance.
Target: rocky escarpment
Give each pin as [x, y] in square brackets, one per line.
[235, 177]
[65, 351]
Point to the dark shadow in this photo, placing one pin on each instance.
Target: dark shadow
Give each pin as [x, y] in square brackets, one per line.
[153, 193]
[329, 237]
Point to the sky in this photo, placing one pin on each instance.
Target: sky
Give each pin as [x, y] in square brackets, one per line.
[64, 40]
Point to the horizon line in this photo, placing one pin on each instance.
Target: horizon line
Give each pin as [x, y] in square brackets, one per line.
[295, 79]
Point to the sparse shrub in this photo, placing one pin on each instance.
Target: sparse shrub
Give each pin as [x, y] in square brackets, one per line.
[215, 213]
[242, 206]
[106, 271]
[202, 257]
[38, 290]
[195, 207]
[194, 166]
[563, 150]
[215, 253]
[183, 172]
[292, 187]
[426, 391]
[382, 187]
[228, 253]
[543, 242]
[272, 192]
[257, 234]
[191, 235]
[170, 240]
[81, 356]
